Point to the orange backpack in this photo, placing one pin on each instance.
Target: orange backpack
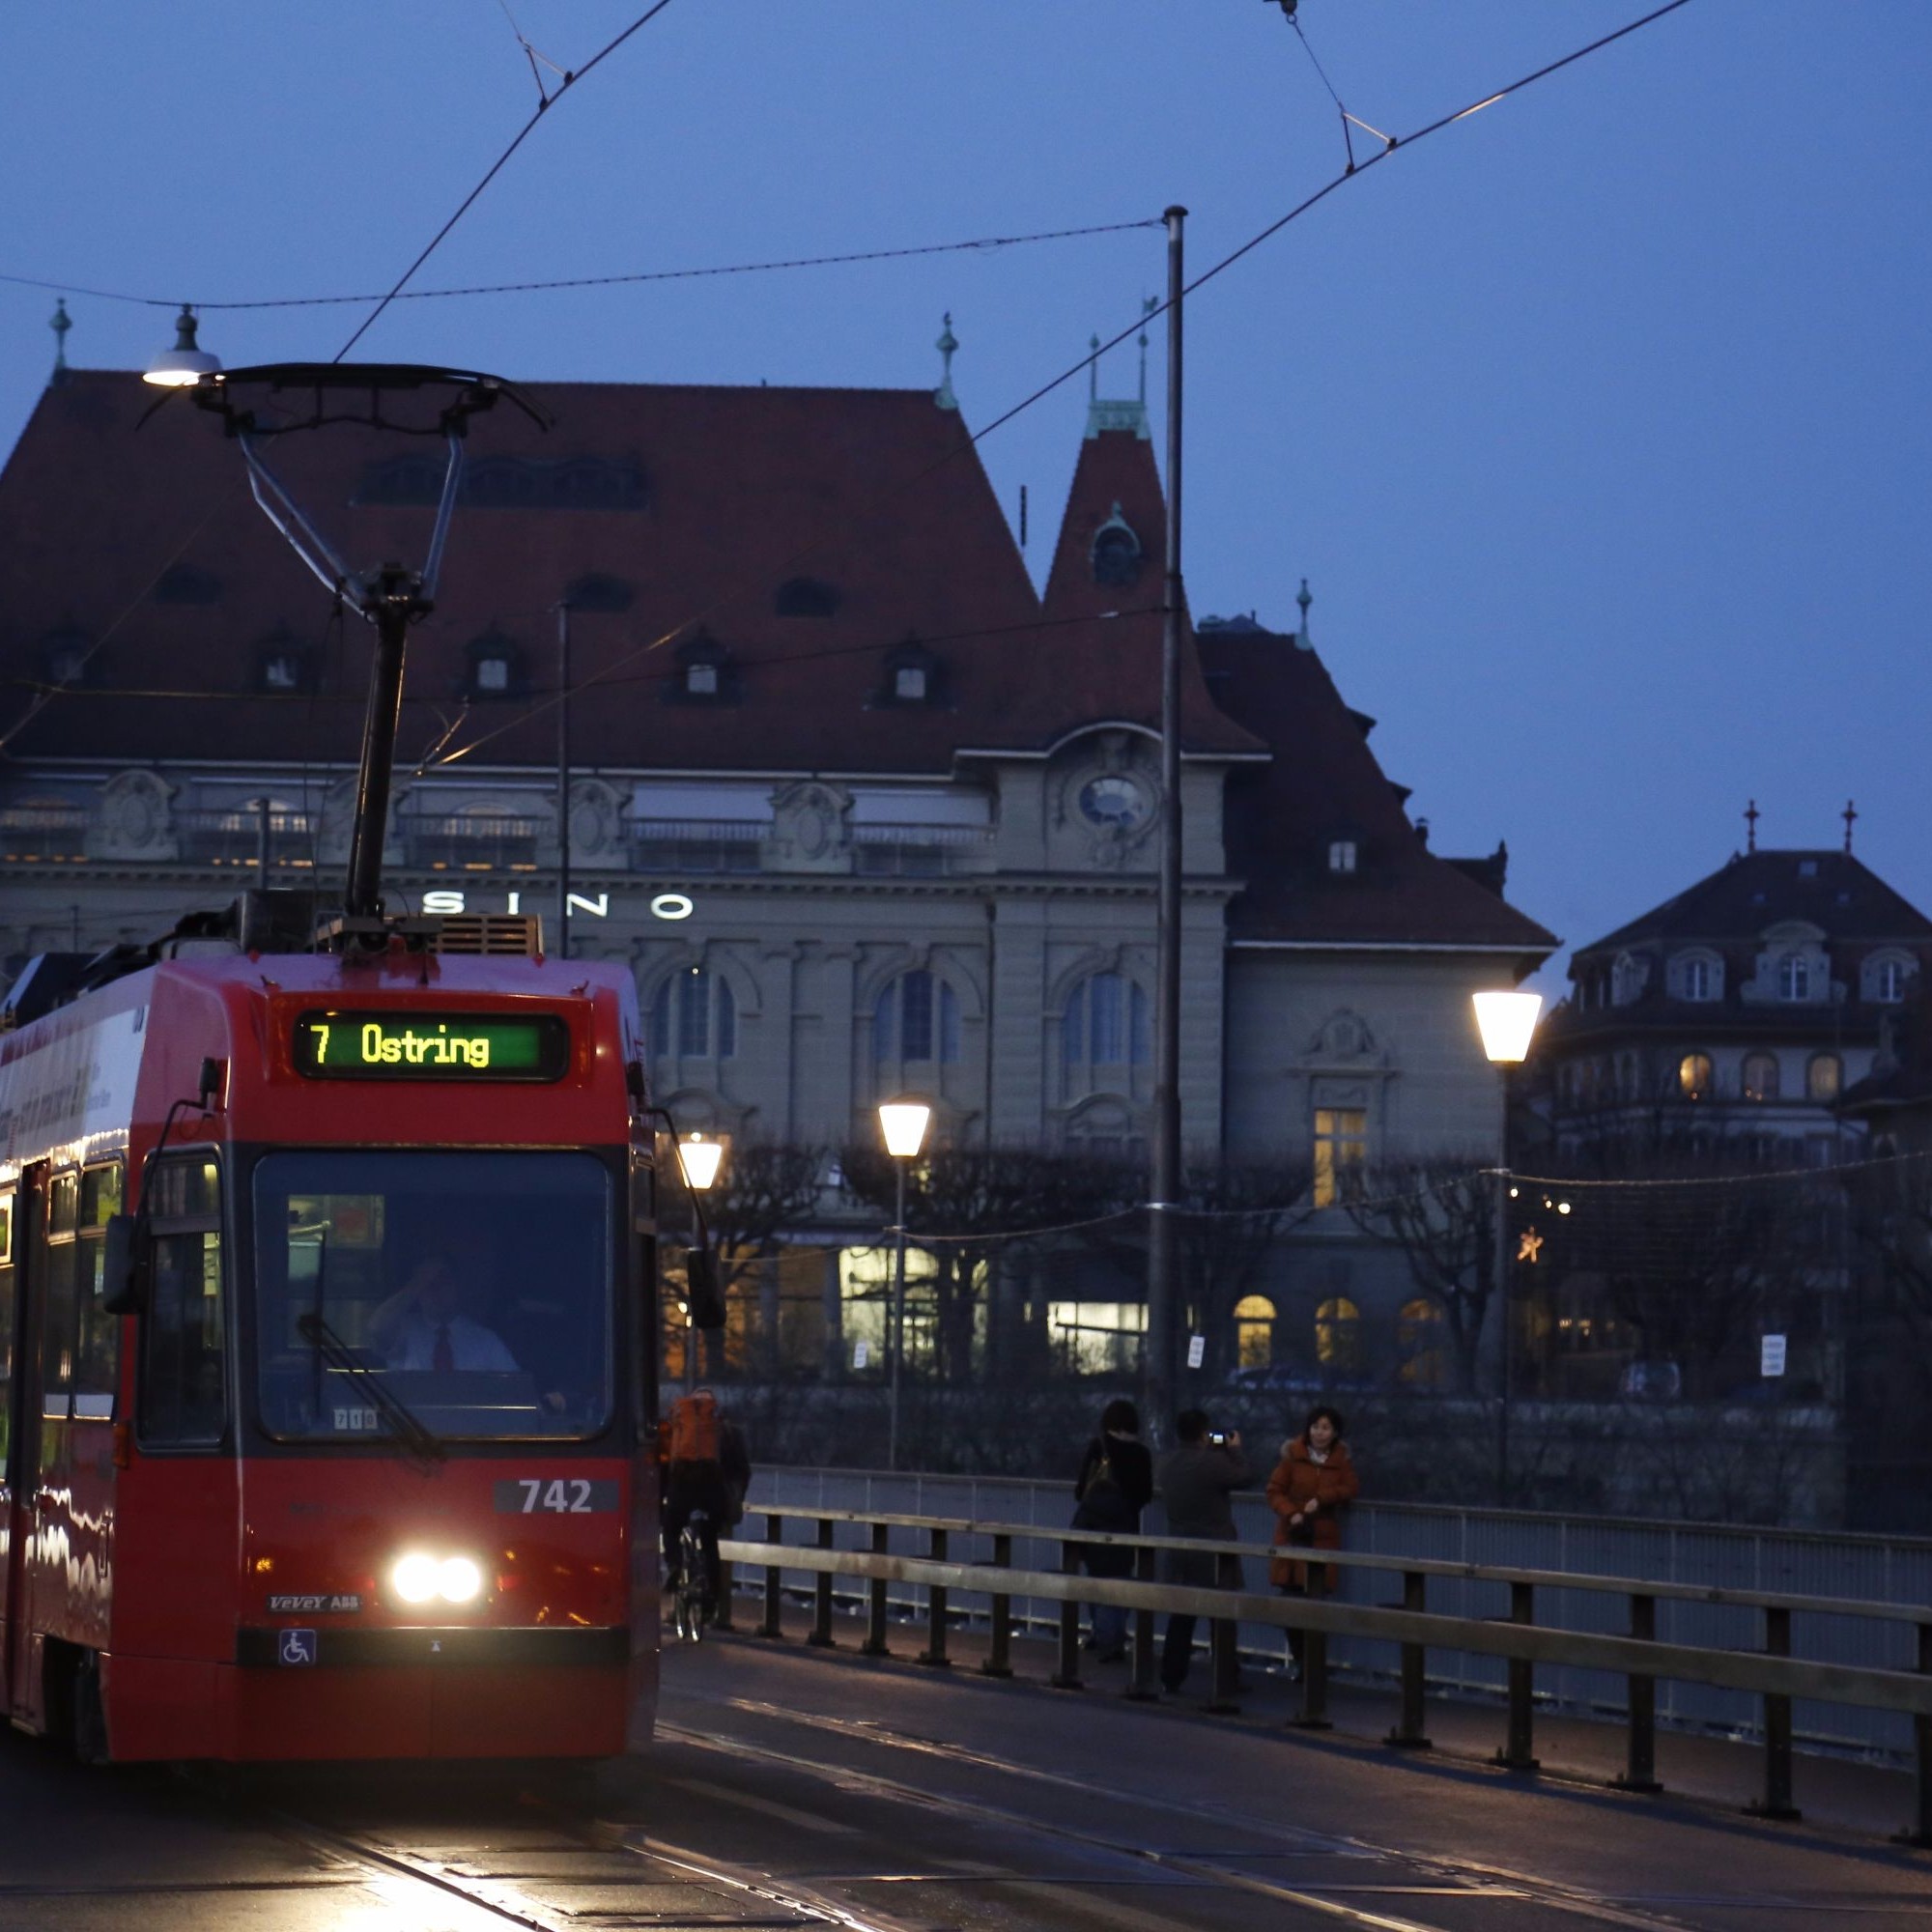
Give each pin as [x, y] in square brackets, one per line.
[693, 1429]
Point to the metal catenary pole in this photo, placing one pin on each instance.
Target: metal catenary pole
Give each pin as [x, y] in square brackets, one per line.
[563, 945]
[1163, 1242]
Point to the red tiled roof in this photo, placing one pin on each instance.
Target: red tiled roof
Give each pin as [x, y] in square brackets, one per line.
[1323, 785]
[877, 494]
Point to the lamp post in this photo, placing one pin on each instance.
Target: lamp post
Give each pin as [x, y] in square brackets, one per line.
[904, 1123]
[1507, 1022]
[699, 1159]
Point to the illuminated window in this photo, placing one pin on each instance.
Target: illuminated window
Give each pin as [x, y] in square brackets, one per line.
[1824, 1077]
[1341, 1147]
[1338, 1336]
[1420, 1344]
[1254, 1332]
[1694, 1076]
[1760, 1077]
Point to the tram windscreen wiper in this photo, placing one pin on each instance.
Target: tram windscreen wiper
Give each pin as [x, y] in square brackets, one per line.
[420, 1443]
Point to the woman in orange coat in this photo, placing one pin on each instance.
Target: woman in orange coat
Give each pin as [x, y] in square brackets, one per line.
[1312, 1484]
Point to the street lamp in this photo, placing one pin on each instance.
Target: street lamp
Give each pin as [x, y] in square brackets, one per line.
[1507, 1022]
[699, 1159]
[183, 366]
[904, 1123]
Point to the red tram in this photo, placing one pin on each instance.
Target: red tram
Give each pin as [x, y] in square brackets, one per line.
[327, 1361]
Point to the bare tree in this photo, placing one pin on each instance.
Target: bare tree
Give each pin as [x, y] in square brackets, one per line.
[1441, 1213]
[986, 1202]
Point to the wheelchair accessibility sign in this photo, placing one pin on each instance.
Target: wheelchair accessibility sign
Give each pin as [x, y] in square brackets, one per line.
[296, 1646]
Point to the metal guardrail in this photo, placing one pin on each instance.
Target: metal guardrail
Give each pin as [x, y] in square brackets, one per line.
[1772, 1673]
[1876, 1569]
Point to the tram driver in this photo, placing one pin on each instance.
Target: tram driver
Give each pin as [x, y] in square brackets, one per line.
[423, 1324]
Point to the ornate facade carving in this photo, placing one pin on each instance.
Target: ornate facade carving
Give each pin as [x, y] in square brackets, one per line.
[811, 828]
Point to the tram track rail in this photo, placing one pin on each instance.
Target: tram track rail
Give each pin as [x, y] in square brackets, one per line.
[1460, 1880]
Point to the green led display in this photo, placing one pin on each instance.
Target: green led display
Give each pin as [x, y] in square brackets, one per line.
[431, 1046]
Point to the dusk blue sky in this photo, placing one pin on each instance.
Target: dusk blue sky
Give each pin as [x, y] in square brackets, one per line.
[1599, 423]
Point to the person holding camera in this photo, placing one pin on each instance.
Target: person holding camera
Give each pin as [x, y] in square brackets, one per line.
[1312, 1484]
[1198, 1479]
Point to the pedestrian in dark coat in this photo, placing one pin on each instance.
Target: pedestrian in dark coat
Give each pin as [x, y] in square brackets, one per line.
[1312, 1484]
[1115, 1484]
[1198, 1477]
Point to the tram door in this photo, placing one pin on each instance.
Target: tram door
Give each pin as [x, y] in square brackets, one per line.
[19, 1425]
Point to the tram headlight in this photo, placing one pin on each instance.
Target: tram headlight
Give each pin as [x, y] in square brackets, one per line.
[416, 1578]
[459, 1579]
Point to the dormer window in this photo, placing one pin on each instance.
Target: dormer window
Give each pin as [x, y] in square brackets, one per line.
[914, 675]
[282, 663]
[1343, 854]
[805, 597]
[65, 655]
[496, 667]
[1885, 975]
[1794, 977]
[707, 673]
[1116, 553]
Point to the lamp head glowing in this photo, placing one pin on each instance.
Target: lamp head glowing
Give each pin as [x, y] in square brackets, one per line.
[183, 366]
[701, 1159]
[904, 1123]
[1507, 1021]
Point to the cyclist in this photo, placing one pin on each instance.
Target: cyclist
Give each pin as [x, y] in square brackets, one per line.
[706, 1469]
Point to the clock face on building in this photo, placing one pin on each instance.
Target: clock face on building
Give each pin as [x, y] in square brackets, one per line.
[1115, 800]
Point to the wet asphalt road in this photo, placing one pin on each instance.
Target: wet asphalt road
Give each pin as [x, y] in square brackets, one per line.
[792, 1788]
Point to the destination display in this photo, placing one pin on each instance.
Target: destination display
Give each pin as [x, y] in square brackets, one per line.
[432, 1047]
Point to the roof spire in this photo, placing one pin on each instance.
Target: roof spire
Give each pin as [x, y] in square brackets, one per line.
[1301, 637]
[60, 326]
[1149, 304]
[1752, 816]
[947, 345]
[1850, 816]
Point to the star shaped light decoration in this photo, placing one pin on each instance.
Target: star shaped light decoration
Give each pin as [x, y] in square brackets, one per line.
[1531, 1246]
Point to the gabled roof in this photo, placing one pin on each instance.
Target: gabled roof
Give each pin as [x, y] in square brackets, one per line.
[1114, 628]
[700, 502]
[1322, 787]
[1833, 891]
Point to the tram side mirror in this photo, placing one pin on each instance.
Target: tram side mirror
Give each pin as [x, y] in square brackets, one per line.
[701, 1290]
[123, 1265]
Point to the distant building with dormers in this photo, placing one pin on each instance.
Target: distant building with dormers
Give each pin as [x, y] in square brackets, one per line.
[1736, 1015]
[864, 813]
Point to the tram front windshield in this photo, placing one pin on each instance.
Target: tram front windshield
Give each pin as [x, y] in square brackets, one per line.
[472, 1287]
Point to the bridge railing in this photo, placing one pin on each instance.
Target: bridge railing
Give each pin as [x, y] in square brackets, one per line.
[1705, 1557]
[996, 1564]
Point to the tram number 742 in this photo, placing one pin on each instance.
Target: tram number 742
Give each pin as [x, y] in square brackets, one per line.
[560, 1495]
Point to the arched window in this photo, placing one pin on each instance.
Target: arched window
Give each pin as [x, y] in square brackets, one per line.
[1105, 1023]
[1760, 1076]
[1824, 1077]
[1338, 1336]
[1694, 1076]
[1254, 1332]
[917, 1018]
[1420, 1344]
[694, 1016]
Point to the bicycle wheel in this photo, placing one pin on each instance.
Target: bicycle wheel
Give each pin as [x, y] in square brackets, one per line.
[691, 1587]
